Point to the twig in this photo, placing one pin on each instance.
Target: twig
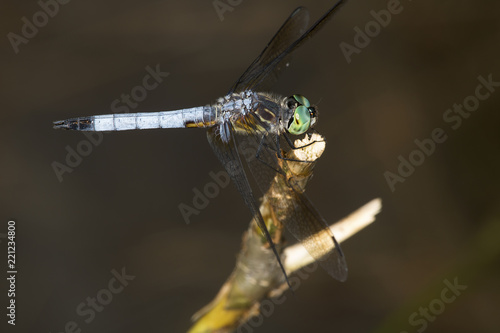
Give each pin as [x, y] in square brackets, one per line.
[256, 275]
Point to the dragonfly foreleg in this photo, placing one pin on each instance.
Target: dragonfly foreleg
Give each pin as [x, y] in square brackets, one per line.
[292, 146]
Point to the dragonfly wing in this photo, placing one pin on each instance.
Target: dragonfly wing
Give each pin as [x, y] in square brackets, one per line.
[294, 26]
[290, 205]
[289, 37]
[222, 140]
[307, 225]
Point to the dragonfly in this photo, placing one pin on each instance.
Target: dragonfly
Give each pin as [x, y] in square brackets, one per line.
[265, 120]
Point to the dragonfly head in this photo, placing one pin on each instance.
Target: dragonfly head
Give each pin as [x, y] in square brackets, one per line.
[303, 115]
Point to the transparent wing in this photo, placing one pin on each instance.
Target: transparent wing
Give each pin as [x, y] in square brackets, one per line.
[226, 152]
[291, 207]
[289, 37]
[307, 225]
[290, 31]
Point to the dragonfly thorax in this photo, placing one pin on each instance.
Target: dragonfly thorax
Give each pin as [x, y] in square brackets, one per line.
[252, 112]
[267, 113]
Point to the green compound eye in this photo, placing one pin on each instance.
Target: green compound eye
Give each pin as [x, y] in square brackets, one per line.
[300, 121]
[302, 100]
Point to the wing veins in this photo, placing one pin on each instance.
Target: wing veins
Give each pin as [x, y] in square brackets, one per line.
[260, 70]
[229, 157]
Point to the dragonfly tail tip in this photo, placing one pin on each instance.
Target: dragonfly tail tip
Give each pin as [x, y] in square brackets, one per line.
[76, 124]
[59, 124]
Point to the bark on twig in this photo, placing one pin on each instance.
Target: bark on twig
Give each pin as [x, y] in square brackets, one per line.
[256, 275]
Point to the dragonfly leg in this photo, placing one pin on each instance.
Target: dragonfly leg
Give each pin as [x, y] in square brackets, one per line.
[277, 150]
[292, 146]
[262, 144]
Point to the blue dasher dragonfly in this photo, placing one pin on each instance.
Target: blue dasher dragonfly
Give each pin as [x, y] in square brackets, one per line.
[263, 120]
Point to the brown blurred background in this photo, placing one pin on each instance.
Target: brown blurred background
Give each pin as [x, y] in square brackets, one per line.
[119, 206]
